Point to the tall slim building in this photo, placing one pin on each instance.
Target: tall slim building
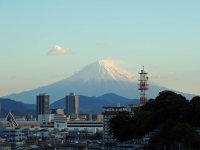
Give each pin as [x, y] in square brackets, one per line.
[43, 107]
[72, 105]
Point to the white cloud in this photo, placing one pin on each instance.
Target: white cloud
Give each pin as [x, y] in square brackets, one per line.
[101, 44]
[57, 50]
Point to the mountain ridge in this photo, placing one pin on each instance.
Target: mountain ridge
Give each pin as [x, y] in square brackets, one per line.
[93, 80]
[86, 104]
[16, 107]
[96, 104]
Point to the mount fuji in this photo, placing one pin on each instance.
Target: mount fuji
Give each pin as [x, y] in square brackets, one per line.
[95, 79]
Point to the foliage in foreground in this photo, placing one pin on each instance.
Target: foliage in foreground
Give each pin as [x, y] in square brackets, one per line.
[175, 117]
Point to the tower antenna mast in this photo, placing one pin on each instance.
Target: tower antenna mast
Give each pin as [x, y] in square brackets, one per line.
[143, 86]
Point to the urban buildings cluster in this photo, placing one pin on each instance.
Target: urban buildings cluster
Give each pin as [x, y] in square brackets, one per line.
[60, 128]
[62, 118]
[60, 125]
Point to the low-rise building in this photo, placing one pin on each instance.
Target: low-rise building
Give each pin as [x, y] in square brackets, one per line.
[13, 134]
[60, 121]
[44, 118]
[90, 126]
[11, 123]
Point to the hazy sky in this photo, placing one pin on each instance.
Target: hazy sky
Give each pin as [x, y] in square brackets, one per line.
[43, 41]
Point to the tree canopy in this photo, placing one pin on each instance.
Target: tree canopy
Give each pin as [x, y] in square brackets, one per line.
[176, 118]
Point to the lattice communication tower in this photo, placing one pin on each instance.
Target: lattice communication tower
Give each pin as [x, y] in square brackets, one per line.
[143, 86]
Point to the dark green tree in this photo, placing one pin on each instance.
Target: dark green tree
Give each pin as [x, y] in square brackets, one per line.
[171, 113]
[121, 126]
[175, 135]
[194, 112]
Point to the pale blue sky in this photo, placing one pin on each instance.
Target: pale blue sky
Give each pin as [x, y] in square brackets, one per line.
[162, 35]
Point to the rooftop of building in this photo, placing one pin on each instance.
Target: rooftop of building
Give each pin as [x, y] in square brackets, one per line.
[116, 107]
[43, 94]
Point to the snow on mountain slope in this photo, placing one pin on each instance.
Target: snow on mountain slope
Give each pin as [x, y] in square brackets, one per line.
[94, 80]
[103, 70]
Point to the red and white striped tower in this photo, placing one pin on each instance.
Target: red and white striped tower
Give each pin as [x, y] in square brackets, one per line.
[143, 86]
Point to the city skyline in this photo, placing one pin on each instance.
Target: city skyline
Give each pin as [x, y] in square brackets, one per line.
[46, 41]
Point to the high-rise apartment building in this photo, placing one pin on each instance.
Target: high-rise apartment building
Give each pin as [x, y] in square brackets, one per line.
[43, 104]
[72, 106]
[43, 108]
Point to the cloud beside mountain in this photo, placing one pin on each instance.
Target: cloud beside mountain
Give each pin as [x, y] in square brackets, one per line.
[57, 50]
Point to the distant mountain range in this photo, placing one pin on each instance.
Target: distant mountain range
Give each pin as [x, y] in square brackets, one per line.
[96, 104]
[94, 80]
[17, 108]
[87, 104]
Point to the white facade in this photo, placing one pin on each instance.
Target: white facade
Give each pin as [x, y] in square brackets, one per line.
[90, 126]
[44, 118]
[60, 121]
[60, 125]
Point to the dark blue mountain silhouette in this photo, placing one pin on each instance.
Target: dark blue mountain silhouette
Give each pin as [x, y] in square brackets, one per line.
[96, 104]
[87, 104]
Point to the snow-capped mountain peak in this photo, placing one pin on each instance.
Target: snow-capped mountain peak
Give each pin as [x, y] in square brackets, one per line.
[94, 80]
[103, 70]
